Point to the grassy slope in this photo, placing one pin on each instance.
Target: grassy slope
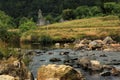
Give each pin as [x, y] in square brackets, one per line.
[98, 27]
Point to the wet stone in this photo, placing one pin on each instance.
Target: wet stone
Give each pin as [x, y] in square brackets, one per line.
[103, 55]
[106, 73]
[50, 53]
[64, 53]
[55, 59]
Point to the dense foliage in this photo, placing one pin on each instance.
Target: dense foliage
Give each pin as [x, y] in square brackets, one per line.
[18, 11]
[29, 8]
[26, 25]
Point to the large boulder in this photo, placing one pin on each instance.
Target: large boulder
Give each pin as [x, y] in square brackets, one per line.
[96, 44]
[113, 47]
[80, 46]
[6, 77]
[15, 68]
[58, 72]
[85, 41]
[108, 40]
[96, 65]
[57, 45]
[93, 65]
[84, 62]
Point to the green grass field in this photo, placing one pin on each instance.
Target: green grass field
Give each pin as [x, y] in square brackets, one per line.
[93, 28]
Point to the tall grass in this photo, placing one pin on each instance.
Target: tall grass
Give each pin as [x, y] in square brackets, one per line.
[92, 28]
[45, 39]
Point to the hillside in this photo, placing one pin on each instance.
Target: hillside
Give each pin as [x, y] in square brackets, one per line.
[93, 28]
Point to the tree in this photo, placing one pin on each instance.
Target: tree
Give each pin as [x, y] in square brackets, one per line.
[6, 20]
[28, 25]
[82, 12]
[109, 7]
[49, 18]
[95, 11]
[68, 14]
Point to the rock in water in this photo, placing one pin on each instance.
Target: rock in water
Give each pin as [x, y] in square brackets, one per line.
[96, 44]
[106, 73]
[84, 62]
[95, 65]
[79, 46]
[6, 77]
[58, 72]
[55, 59]
[57, 45]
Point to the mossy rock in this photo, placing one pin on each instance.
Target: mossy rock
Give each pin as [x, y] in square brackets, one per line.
[58, 72]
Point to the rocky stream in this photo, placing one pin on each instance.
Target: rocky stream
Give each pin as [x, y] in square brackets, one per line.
[81, 60]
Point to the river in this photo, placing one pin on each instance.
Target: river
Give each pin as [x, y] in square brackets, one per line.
[44, 59]
[48, 52]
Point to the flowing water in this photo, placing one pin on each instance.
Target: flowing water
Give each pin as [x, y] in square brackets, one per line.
[48, 52]
[44, 57]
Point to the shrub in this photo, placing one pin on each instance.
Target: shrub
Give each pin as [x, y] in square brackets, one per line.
[49, 18]
[58, 18]
[1, 55]
[95, 11]
[13, 37]
[3, 34]
[119, 16]
[116, 9]
[82, 12]
[6, 20]
[109, 7]
[68, 14]
[28, 25]
[46, 40]
[26, 60]
[23, 20]
[4, 52]
[7, 36]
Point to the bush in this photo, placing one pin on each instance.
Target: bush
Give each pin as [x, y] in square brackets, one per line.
[28, 25]
[13, 37]
[95, 11]
[68, 14]
[26, 60]
[1, 55]
[82, 12]
[109, 7]
[6, 20]
[3, 34]
[4, 52]
[58, 18]
[49, 18]
[46, 40]
[116, 9]
[23, 20]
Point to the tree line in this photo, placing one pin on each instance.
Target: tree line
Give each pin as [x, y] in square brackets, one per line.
[29, 8]
[15, 12]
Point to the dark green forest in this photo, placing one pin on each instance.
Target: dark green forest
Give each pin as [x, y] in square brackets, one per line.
[15, 11]
[29, 8]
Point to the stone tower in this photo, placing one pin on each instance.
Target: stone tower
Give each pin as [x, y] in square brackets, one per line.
[41, 20]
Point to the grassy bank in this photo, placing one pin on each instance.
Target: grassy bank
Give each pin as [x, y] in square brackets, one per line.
[93, 28]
